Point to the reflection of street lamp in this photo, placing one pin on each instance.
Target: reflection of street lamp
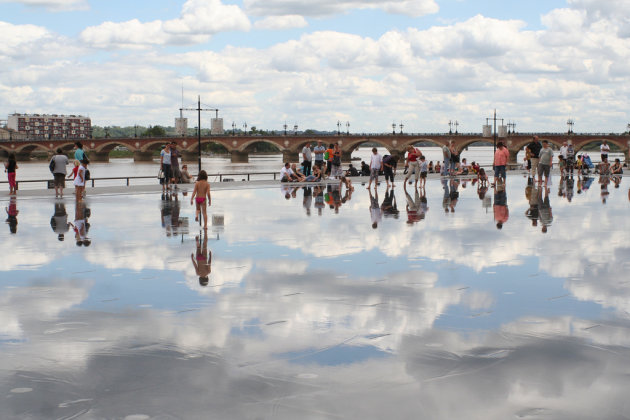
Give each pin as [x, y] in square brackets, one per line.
[233, 128]
[348, 127]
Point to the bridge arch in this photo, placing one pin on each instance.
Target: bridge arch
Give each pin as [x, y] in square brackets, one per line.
[353, 144]
[246, 146]
[598, 141]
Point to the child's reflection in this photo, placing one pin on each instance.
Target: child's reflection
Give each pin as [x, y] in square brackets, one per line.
[59, 221]
[501, 212]
[203, 259]
[12, 213]
[81, 225]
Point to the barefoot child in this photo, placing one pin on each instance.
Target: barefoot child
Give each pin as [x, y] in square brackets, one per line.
[200, 193]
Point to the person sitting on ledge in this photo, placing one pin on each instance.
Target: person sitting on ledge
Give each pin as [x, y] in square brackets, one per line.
[352, 171]
[297, 174]
[463, 168]
[431, 167]
[316, 176]
[437, 168]
[365, 169]
[616, 168]
[286, 174]
[186, 177]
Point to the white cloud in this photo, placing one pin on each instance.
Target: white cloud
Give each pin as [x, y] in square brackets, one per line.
[281, 22]
[199, 20]
[413, 8]
[53, 5]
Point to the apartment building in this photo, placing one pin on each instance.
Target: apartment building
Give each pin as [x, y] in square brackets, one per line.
[51, 126]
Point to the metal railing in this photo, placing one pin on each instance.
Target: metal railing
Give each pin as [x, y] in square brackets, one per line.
[127, 179]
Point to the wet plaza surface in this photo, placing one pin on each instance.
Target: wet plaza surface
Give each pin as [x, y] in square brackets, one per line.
[311, 311]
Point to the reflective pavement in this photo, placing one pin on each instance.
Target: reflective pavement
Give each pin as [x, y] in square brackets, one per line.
[320, 303]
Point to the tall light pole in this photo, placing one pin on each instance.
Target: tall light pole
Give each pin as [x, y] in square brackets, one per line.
[394, 128]
[570, 124]
[338, 127]
[285, 128]
[295, 128]
[450, 127]
[456, 125]
[348, 127]
[199, 109]
[494, 119]
[401, 127]
[233, 128]
[245, 127]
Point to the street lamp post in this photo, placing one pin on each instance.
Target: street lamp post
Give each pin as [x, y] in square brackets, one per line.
[295, 128]
[348, 128]
[450, 127]
[199, 109]
[393, 128]
[570, 124]
[494, 119]
[233, 128]
[401, 127]
[456, 125]
[285, 128]
[245, 127]
[338, 127]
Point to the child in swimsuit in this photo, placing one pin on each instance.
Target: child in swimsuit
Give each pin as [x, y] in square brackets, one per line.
[201, 191]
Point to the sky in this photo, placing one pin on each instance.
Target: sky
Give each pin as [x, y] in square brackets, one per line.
[367, 64]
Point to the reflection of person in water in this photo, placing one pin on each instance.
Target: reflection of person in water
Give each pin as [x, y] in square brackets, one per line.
[318, 192]
[544, 209]
[501, 212]
[531, 193]
[12, 213]
[59, 221]
[413, 207]
[203, 259]
[81, 225]
[389, 206]
[454, 194]
[307, 200]
[375, 209]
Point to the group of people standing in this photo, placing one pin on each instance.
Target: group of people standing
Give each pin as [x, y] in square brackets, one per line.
[170, 173]
[80, 173]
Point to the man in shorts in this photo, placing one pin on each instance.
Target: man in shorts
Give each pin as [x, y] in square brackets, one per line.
[376, 165]
[318, 151]
[307, 159]
[534, 150]
[59, 171]
[412, 163]
[544, 166]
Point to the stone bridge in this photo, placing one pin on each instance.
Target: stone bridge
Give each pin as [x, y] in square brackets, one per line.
[240, 146]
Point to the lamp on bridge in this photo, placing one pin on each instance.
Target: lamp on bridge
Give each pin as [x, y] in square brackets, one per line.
[233, 128]
[338, 127]
[348, 127]
[394, 128]
[295, 128]
[401, 127]
[570, 124]
[511, 126]
[245, 127]
[285, 128]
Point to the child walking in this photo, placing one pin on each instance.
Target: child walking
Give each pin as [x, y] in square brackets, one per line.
[200, 193]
